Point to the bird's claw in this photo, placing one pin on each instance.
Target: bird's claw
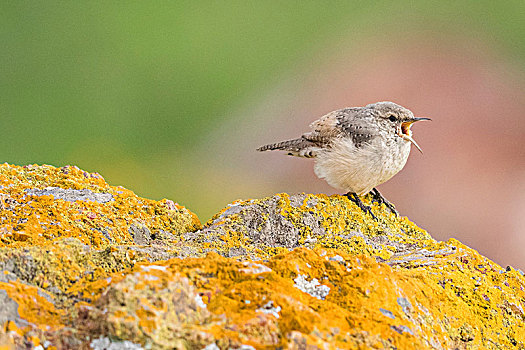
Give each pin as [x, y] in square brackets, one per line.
[378, 197]
[355, 198]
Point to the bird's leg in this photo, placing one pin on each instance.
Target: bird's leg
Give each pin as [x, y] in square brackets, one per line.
[355, 198]
[378, 197]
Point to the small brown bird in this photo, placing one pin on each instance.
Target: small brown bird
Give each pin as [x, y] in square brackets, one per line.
[357, 148]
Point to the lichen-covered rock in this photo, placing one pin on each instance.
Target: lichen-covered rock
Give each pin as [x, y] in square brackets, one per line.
[43, 203]
[259, 228]
[293, 272]
[63, 227]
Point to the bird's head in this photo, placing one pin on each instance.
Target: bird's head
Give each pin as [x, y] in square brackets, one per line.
[395, 120]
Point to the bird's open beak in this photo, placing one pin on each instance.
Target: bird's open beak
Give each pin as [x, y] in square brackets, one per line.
[406, 133]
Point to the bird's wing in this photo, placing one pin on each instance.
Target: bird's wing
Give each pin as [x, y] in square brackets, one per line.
[347, 122]
[324, 130]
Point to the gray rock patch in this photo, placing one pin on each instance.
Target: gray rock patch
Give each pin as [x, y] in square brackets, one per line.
[270, 309]
[402, 329]
[387, 313]
[71, 195]
[106, 344]
[313, 287]
[254, 268]
[9, 310]
[140, 232]
[405, 304]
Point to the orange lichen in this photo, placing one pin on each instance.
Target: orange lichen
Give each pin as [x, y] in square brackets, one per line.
[34, 218]
[283, 271]
[396, 307]
[32, 306]
[319, 220]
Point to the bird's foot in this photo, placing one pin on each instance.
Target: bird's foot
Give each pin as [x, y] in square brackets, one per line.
[355, 198]
[378, 197]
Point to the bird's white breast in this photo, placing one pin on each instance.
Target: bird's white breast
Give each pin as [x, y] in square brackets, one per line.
[360, 169]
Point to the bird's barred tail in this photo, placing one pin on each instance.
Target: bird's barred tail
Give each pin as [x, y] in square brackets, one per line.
[297, 147]
[284, 145]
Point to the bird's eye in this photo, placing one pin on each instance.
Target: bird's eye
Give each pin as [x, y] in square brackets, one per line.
[392, 118]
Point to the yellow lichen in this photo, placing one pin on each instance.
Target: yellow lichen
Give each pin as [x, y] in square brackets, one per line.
[37, 219]
[423, 310]
[32, 306]
[306, 270]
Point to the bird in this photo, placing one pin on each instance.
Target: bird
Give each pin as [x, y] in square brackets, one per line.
[357, 148]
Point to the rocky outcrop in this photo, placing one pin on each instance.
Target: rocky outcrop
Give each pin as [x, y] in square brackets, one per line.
[87, 265]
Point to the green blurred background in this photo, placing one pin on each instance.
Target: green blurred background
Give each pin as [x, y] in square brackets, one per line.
[170, 98]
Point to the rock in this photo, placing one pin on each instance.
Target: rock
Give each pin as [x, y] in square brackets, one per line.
[140, 233]
[260, 228]
[293, 272]
[42, 204]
